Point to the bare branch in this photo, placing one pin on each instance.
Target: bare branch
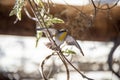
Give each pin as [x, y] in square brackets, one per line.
[110, 56]
[100, 8]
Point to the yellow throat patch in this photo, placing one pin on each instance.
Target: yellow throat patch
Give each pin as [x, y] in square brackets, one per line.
[62, 36]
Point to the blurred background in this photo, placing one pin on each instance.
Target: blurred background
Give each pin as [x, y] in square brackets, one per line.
[21, 60]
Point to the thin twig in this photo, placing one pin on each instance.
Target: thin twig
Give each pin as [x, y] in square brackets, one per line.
[59, 52]
[104, 8]
[43, 62]
[41, 21]
[34, 12]
[51, 39]
[76, 68]
[65, 64]
[110, 56]
[42, 65]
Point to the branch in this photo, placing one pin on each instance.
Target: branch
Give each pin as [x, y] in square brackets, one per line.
[42, 24]
[110, 57]
[115, 4]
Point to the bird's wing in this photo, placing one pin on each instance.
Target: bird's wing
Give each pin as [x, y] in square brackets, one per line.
[71, 41]
[51, 30]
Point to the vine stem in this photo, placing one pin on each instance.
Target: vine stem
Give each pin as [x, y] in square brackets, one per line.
[104, 8]
[51, 39]
[75, 68]
[110, 56]
[59, 52]
[65, 64]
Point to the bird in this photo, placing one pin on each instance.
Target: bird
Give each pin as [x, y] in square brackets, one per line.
[60, 36]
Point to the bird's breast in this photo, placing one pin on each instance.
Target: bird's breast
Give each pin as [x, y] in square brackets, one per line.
[62, 36]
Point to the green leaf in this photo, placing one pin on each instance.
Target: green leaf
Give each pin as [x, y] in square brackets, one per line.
[39, 2]
[17, 9]
[38, 36]
[57, 20]
[52, 21]
[67, 51]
